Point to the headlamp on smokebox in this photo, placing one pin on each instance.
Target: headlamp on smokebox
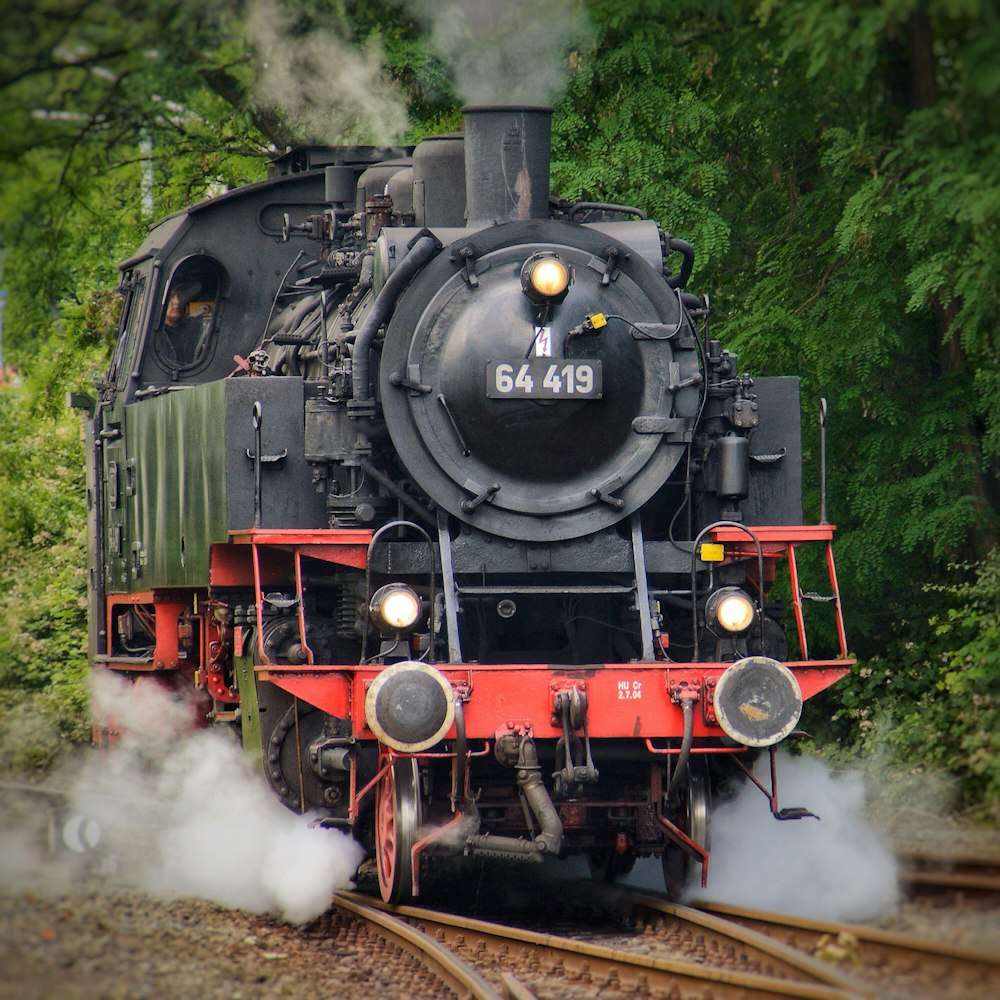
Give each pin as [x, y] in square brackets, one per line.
[395, 608]
[545, 278]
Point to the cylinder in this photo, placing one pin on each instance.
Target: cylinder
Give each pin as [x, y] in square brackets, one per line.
[732, 468]
[400, 189]
[507, 153]
[372, 183]
[340, 183]
[439, 181]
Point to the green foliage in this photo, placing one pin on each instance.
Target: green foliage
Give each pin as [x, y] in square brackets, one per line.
[931, 700]
[43, 665]
[634, 129]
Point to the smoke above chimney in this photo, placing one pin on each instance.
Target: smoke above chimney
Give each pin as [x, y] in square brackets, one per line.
[505, 51]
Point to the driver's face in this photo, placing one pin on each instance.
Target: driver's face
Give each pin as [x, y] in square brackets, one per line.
[175, 309]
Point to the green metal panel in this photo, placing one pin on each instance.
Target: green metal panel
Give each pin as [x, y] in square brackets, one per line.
[246, 683]
[193, 483]
[178, 447]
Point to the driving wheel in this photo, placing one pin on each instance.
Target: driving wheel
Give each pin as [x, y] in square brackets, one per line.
[693, 814]
[397, 823]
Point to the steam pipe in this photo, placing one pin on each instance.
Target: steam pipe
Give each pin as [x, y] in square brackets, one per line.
[529, 780]
[423, 248]
[548, 841]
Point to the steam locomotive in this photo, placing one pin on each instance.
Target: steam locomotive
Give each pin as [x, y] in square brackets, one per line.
[441, 493]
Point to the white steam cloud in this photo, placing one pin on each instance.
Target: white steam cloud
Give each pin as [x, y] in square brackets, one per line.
[328, 88]
[185, 814]
[505, 51]
[334, 90]
[837, 868]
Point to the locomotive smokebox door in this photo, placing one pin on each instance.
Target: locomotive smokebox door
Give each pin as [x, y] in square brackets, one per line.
[524, 425]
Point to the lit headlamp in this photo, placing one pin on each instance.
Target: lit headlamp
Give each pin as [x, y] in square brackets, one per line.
[545, 278]
[730, 610]
[395, 608]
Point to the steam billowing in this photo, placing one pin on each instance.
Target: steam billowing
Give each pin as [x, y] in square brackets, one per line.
[836, 868]
[184, 814]
[331, 89]
[505, 51]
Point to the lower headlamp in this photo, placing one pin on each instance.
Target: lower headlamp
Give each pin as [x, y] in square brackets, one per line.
[731, 610]
[395, 608]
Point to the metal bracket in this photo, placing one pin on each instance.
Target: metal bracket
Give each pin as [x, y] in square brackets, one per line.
[468, 506]
[684, 383]
[659, 425]
[260, 460]
[468, 257]
[404, 383]
[570, 705]
[609, 272]
[600, 493]
[789, 812]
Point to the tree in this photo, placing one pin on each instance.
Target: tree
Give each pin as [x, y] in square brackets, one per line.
[834, 164]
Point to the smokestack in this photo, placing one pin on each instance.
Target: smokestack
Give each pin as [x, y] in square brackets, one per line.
[507, 152]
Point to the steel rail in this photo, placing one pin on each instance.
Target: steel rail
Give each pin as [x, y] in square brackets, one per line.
[930, 878]
[875, 935]
[911, 966]
[977, 871]
[459, 975]
[621, 961]
[818, 970]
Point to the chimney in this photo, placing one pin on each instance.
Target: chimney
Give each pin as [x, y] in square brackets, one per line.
[507, 152]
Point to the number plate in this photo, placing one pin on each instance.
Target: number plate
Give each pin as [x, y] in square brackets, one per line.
[543, 378]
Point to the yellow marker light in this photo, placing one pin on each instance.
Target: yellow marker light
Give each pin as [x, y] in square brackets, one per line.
[598, 320]
[712, 552]
[735, 612]
[549, 277]
[395, 607]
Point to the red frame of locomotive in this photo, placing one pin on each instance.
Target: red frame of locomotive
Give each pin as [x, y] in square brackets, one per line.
[640, 700]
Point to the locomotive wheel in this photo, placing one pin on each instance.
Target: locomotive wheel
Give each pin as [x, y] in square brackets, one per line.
[397, 824]
[607, 865]
[694, 816]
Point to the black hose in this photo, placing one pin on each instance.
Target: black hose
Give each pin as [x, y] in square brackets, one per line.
[679, 776]
[604, 206]
[422, 250]
[684, 248]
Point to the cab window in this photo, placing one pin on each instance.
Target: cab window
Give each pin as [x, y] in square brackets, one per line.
[189, 313]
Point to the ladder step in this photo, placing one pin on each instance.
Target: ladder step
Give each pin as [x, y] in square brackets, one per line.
[820, 598]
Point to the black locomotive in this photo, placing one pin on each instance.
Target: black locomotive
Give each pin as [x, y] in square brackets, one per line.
[442, 493]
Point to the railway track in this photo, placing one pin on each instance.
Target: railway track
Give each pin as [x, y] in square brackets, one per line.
[444, 963]
[896, 965]
[646, 946]
[922, 870]
[690, 960]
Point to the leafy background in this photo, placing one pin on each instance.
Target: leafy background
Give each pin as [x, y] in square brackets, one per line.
[836, 165]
